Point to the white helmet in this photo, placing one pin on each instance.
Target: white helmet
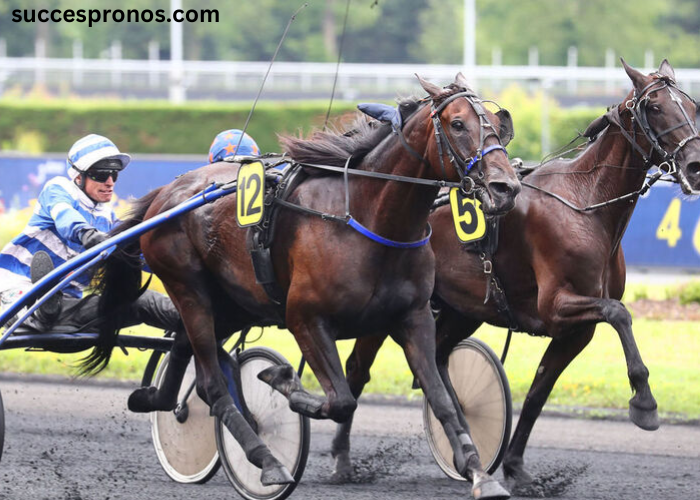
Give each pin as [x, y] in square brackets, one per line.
[89, 150]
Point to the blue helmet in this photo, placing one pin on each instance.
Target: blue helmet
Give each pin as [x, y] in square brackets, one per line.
[224, 145]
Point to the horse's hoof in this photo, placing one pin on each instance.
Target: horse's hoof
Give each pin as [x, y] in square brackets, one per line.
[485, 487]
[277, 474]
[343, 469]
[516, 476]
[644, 419]
[141, 400]
[282, 378]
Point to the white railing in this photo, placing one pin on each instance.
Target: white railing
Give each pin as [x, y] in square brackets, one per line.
[154, 78]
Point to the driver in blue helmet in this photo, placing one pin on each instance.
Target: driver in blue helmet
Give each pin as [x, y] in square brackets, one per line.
[73, 214]
[226, 144]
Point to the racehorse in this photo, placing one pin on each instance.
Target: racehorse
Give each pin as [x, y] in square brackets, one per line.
[337, 283]
[561, 266]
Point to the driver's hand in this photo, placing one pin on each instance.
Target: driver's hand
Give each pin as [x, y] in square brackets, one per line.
[93, 237]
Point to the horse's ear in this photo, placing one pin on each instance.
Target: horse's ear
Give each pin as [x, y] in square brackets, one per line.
[596, 127]
[432, 89]
[461, 81]
[506, 132]
[407, 108]
[666, 70]
[637, 78]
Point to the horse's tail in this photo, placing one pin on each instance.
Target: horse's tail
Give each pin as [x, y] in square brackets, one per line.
[118, 281]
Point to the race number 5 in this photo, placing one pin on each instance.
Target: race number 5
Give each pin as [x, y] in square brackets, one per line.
[696, 238]
[669, 228]
[470, 223]
[249, 194]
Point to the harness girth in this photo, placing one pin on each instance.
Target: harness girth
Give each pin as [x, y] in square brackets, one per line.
[261, 236]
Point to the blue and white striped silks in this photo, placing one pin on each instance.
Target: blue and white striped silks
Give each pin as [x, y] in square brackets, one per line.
[63, 212]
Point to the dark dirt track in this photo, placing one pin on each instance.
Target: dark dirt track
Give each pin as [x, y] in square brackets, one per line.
[71, 441]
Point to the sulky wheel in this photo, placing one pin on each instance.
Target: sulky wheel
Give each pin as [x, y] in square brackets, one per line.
[482, 389]
[184, 439]
[285, 432]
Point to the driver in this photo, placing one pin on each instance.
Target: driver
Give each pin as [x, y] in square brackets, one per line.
[226, 144]
[72, 215]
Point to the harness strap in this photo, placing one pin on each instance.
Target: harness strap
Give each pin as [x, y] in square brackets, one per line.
[390, 177]
[408, 148]
[645, 187]
[350, 221]
[385, 241]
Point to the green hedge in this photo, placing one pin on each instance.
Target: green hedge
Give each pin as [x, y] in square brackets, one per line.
[160, 128]
[151, 127]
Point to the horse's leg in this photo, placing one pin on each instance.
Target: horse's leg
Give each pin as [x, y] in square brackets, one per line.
[357, 374]
[228, 362]
[416, 334]
[317, 343]
[147, 399]
[198, 316]
[559, 353]
[451, 328]
[568, 311]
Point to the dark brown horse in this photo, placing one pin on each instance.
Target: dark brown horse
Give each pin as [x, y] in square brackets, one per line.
[562, 269]
[338, 284]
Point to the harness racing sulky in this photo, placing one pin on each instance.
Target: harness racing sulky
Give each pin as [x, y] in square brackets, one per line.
[334, 246]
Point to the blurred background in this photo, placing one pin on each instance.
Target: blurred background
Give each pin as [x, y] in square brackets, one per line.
[162, 91]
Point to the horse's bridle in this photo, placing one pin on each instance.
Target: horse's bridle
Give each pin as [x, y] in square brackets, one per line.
[637, 106]
[463, 166]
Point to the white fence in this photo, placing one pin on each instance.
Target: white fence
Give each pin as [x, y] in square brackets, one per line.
[240, 80]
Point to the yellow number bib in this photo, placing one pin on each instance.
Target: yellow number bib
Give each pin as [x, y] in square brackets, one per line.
[250, 194]
[469, 219]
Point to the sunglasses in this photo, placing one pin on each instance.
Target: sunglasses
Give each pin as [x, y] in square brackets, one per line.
[102, 175]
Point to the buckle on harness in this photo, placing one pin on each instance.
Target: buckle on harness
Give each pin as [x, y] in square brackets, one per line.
[467, 190]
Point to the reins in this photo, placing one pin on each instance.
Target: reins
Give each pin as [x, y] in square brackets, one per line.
[638, 112]
[463, 167]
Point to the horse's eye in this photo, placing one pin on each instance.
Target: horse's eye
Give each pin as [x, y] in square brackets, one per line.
[655, 108]
[458, 124]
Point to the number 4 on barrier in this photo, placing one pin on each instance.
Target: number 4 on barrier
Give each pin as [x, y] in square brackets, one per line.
[669, 228]
[468, 217]
[249, 194]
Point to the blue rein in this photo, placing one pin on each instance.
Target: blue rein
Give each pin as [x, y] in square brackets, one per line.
[385, 241]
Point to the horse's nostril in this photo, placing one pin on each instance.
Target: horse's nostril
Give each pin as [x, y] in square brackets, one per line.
[503, 189]
[500, 188]
[694, 168]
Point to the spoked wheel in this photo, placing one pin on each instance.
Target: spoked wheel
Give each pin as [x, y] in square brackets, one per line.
[2, 426]
[184, 439]
[482, 389]
[285, 432]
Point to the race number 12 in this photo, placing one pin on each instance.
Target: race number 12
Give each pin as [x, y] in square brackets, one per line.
[250, 194]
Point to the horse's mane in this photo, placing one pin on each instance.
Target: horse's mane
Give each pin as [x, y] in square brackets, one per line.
[333, 147]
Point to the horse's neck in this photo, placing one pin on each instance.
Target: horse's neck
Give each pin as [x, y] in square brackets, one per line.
[617, 171]
[395, 210]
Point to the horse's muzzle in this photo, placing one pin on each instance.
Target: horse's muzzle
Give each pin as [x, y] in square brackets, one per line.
[501, 196]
